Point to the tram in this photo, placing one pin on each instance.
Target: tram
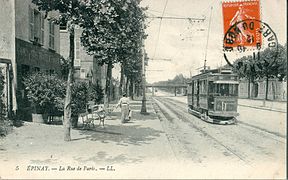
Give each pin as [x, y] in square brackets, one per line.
[213, 96]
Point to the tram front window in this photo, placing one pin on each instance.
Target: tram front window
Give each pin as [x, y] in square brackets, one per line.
[226, 89]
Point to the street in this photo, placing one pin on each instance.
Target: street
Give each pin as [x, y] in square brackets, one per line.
[166, 143]
[255, 141]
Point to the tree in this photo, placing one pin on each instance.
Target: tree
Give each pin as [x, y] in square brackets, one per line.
[282, 60]
[106, 36]
[270, 63]
[246, 67]
[96, 93]
[70, 14]
[114, 35]
[64, 67]
[132, 69]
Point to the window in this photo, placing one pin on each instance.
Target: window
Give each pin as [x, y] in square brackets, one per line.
[36, 26]
[203, 87]
[195, 87]
[210, 87]
[42, 30]
[226, 89]
[77, 52]
[51, 35]
[63, 25]
[31, 24]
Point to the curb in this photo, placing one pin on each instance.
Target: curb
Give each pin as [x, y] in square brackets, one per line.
[262, 108]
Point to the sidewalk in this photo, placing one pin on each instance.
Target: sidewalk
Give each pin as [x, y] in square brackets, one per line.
[137, 149]
[278, 106]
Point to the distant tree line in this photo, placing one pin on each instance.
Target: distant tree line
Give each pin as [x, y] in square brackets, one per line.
[178, 79]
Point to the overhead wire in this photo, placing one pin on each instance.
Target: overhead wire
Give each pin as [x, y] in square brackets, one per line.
[170, 14]
[159, 29]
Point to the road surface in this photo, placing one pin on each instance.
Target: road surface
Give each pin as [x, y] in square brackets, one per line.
[249, 146]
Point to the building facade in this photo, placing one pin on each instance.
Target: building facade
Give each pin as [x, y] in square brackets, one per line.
[85, 66]
[37, 40]
[277, 90]
[28, 43]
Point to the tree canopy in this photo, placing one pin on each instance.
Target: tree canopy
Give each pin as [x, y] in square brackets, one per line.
[270, 63]
[116, 31]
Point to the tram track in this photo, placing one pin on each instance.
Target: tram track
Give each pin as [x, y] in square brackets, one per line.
[229, 137]
[175, 144]
[277, 136]
[263, 132]
[204, 132]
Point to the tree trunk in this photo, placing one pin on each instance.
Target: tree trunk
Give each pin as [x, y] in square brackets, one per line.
[138, 90]
[67, 102]
[131, 89]
[121, 80]
[249, 88]
[126, 86]
[273, 90]
[108, 81]
[267, 88]
[111, 90]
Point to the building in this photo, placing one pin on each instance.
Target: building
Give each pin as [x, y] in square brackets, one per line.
[28, 42]
[85, 67]
[277, 90]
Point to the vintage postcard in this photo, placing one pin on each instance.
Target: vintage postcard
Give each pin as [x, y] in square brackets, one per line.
[143, 89]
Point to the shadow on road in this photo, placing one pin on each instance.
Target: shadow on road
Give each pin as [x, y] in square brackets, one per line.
[121, 134]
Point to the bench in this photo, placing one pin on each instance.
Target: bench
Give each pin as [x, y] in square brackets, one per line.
[95, 112]
[86, 120]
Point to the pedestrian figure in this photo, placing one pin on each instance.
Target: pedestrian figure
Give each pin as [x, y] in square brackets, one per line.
[124, 105]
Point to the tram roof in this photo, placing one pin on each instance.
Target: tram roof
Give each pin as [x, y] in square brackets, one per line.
[219, 71]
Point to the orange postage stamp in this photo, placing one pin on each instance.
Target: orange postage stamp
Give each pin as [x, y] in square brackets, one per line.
[240, 27]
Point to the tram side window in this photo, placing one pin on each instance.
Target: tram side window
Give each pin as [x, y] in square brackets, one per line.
[210, 87]
[233, 89]
[195, 87]
[227, 89]
[203, 87]
[189, 89]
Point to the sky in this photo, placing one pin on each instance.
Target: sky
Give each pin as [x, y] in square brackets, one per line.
[184, 42]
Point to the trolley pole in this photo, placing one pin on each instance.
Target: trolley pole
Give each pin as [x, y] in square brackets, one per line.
[143, 107]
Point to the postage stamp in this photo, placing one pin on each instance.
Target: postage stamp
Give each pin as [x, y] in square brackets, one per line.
[244, 32]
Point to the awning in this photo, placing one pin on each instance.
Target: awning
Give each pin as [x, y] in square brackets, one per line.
[226, 82]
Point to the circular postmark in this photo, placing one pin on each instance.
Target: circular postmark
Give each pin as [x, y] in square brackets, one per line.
[249, 37]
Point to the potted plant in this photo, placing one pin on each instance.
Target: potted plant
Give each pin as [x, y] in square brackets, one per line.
[45, 93]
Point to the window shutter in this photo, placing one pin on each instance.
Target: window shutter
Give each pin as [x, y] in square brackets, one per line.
[42, 30]
[31, 24]
[51, 35]
[77, 51]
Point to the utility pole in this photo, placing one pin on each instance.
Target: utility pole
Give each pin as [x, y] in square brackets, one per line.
[143, 107]
[205, 59]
